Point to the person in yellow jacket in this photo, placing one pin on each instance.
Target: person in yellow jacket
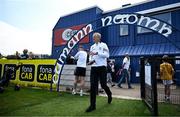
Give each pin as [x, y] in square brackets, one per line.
[166, 73]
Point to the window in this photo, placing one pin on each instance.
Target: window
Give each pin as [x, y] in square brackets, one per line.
[123, 30]
[164, 17]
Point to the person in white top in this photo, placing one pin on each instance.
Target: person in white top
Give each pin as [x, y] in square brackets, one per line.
[125, 71]
[80, 71]
[99, 53]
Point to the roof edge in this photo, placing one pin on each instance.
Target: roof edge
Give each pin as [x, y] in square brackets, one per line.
[72, 13]
[136, 4]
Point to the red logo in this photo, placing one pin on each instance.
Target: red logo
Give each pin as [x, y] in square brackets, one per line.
[61, 36]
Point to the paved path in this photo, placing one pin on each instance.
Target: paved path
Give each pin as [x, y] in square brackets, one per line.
[134, 93]
[126, 93]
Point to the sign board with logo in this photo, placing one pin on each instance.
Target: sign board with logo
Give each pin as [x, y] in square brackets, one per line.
[11, 67]
[61, 36]
[44, 73]
[27, 72]
[31, 73]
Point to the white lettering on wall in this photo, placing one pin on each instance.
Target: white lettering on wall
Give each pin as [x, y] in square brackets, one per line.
[143, 21]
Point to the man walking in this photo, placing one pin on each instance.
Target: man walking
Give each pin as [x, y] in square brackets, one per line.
[99, 53]
[80, 71]
[125, 72]
[166, 73]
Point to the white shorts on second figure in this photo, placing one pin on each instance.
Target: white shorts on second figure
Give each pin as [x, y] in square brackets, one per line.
[167, 82]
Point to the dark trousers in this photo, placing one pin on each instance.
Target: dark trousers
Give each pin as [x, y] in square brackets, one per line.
[98, 73]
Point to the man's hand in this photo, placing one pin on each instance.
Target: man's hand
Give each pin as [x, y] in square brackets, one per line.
[93, 53]
[91, 62]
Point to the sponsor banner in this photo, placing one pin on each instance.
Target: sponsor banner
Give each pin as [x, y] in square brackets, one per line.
[11, 67]
[31, 73]
[61, 36]
[27, 72]
[45, 73]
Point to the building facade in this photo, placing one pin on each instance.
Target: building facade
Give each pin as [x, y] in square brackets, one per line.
[121, 39]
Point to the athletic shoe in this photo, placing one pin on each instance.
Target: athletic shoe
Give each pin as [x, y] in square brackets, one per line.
[74, 92]
[101, 91]
[112, 85]
[90, 108]
[167, 99]
[119, 86]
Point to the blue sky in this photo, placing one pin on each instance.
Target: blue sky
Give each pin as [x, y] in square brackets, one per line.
[25, 14]
[29, 23]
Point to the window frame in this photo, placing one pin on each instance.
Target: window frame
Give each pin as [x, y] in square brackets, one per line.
[121, 28]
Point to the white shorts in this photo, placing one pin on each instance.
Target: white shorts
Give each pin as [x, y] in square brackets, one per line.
[167, 82]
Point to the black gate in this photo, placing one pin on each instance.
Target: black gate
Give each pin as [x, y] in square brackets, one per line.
[149, 84]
